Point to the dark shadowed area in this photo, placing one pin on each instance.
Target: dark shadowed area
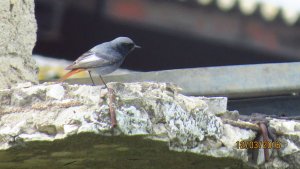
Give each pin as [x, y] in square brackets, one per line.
[173, 34]
[82, 25]
[94, 151]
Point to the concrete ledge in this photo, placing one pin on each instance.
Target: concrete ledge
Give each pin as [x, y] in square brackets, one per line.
[238, 81]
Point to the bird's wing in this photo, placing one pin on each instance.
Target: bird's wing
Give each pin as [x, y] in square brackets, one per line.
[83, 56]
[91, 59]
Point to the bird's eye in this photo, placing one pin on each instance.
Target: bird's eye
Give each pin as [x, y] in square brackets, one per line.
[128, 44]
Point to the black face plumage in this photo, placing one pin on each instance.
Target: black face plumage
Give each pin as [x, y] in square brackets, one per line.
[128, 46]
[124, 45]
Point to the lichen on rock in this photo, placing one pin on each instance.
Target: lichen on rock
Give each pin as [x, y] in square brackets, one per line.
[157, 111]
[152, 109]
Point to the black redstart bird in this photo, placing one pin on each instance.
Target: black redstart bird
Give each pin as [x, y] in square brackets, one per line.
[102, 59]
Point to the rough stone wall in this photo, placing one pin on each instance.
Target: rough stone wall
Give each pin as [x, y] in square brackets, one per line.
[17, 39]
[157, 111]
[52, 111]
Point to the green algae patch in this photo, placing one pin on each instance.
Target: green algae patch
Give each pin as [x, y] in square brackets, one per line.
[91, 151]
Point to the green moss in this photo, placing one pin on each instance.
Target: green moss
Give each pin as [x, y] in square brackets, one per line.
[99, 152]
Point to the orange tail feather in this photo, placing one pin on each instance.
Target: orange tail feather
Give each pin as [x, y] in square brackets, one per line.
[72, 72]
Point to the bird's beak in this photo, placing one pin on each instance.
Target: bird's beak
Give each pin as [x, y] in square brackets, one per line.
[136, 46]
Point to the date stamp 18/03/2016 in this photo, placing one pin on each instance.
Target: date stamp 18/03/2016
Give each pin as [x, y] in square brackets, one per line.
[258, 144]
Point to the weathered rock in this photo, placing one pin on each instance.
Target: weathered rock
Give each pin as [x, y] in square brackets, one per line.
[156, 110]
[51, 111]
[289, 139]
[17, 39]
[232, 135]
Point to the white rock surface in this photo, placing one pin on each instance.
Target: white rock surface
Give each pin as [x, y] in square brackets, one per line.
[156, 110]
[290, 141]
[233, 134]
[53, 111]
[17, 39]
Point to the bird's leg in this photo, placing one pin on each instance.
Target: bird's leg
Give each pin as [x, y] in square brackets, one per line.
[112, 107]
[103, 82]
[91, 77]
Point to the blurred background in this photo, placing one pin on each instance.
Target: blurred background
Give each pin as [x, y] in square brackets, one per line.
[178, 34]
[173, 33]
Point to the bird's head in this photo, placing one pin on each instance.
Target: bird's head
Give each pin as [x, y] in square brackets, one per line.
[124, 44]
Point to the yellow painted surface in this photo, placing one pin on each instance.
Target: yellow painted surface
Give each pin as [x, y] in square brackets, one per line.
[50, 73]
